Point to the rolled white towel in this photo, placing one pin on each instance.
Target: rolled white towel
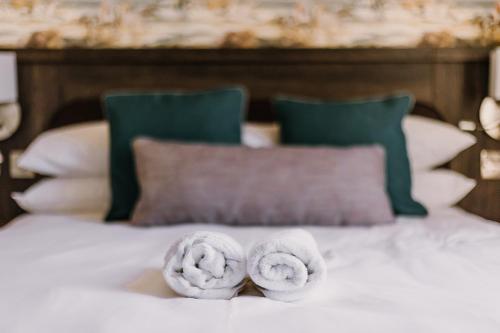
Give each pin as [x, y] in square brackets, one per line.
[287, 266]
[205, 265]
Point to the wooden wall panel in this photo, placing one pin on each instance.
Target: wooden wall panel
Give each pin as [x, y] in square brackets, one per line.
[333, 81]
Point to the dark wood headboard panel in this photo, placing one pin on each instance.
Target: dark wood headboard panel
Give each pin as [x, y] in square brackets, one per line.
[61, 86]
[258, 111]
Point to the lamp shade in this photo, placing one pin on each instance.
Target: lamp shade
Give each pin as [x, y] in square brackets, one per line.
[489, 117]
[8, 77]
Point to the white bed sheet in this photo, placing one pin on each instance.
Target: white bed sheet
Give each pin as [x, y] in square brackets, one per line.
[69, 274]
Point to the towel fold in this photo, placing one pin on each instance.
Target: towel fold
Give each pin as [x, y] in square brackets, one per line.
[287, 266]
[207, 265]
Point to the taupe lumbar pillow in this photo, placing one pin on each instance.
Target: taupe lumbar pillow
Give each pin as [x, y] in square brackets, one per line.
[184, 183]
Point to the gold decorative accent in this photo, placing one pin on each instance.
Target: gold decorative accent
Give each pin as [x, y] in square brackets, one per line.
[438, 39]
[241, 39]
[48, 39]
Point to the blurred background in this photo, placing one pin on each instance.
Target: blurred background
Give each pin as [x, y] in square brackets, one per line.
[248, 23]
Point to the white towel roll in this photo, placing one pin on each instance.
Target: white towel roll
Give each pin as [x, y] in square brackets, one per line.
[207, 265]
[287, 266]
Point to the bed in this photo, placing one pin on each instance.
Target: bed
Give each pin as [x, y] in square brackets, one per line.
[75, 273]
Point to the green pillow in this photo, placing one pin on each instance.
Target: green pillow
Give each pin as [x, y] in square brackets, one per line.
[373, 121]
[210, 117]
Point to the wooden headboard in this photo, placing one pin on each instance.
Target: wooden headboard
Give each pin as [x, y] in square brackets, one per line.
[58, 87]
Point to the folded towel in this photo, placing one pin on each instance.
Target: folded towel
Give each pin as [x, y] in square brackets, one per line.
[287, 266]
[205, 265]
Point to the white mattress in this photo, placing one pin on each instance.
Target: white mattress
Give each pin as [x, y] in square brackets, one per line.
[68, 274]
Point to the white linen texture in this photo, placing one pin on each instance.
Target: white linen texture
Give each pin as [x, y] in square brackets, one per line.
[287, 266]
[207, 265]
[436, 274]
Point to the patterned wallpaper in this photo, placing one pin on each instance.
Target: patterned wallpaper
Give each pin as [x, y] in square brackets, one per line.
[248, 23]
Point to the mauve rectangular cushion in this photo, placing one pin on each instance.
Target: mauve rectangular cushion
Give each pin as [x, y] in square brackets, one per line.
[201, 183]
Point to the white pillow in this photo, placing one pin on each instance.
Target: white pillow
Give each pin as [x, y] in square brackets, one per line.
[261, 135]
[82, 150]
[66, 195]
[79, 150]
[441, 188]
[435, 189]
[432, 143]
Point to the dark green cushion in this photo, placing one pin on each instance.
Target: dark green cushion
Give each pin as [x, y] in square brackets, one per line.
[356, 123]
[210, 117]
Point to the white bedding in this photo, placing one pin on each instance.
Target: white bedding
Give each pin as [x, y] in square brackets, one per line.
[68, 274]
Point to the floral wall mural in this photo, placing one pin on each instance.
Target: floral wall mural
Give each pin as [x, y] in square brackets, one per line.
[248, 23]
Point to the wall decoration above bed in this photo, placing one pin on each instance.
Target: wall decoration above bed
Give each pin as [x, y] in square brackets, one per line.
[247, 23]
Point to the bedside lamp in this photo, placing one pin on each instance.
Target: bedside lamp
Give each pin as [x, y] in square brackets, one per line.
[489, 117]
[10, 112]
[489, 112]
